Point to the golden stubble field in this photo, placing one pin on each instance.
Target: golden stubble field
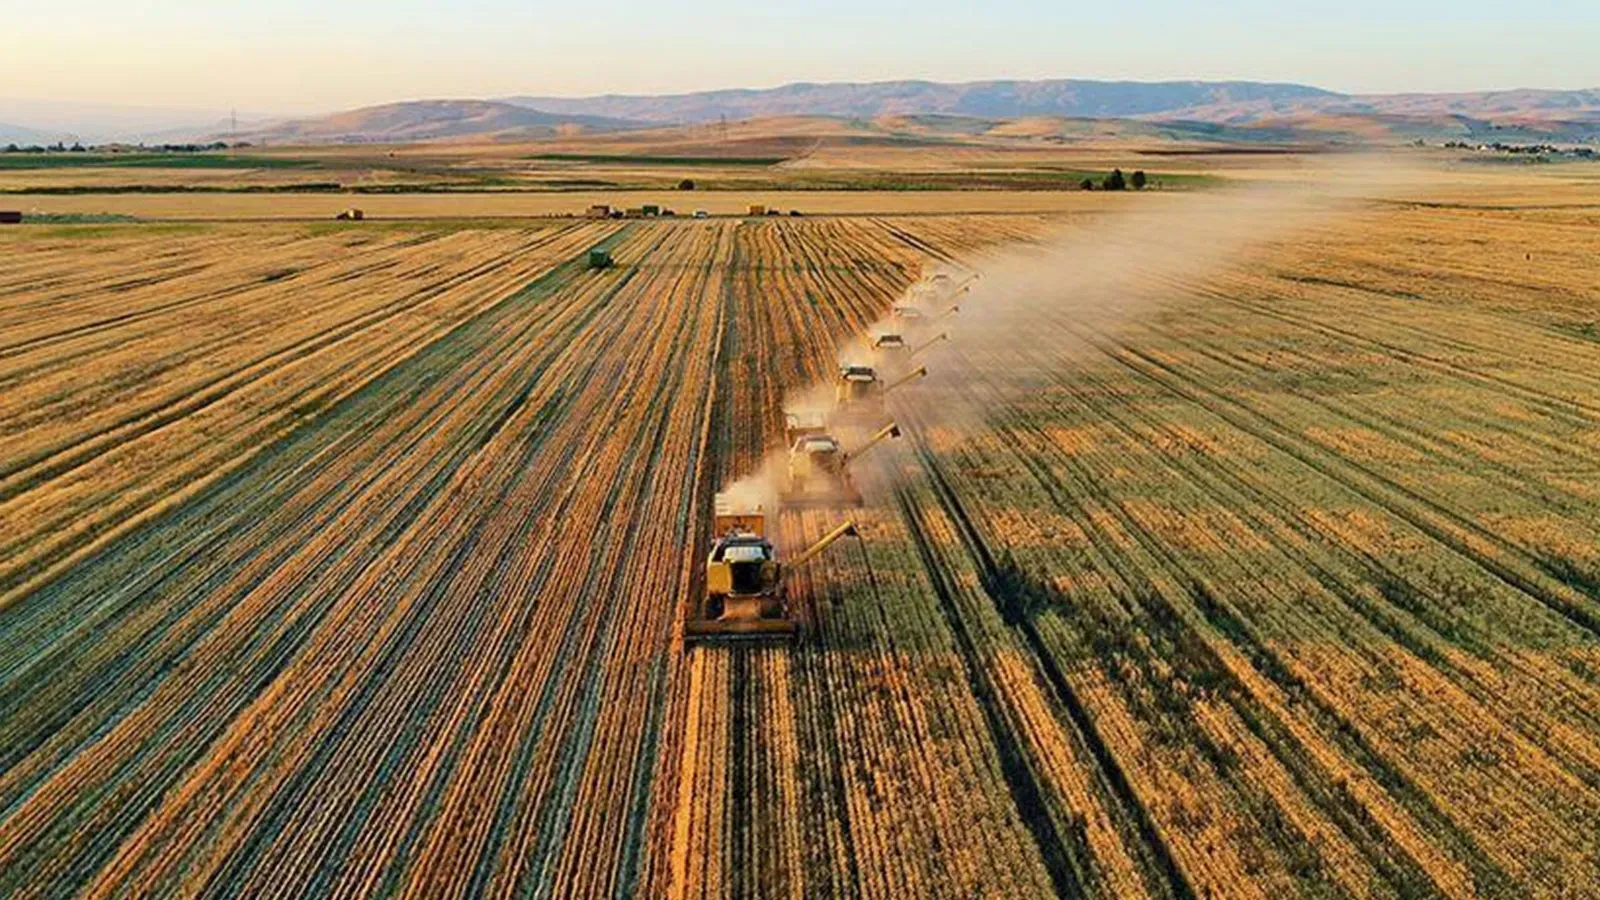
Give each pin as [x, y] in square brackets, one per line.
[349, 561]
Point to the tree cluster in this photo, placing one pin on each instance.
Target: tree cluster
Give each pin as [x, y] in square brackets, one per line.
[1116, 181]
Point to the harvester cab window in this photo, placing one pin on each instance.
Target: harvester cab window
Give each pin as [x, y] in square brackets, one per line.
[817, 445]
[746, 563]
[744, 553]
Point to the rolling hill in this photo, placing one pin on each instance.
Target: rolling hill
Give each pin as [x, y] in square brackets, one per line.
[431, 120]
[1176, 110]
[985, 99]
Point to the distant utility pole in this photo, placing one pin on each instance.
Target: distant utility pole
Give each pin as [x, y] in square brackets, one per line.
[724, 126]
[233, 129]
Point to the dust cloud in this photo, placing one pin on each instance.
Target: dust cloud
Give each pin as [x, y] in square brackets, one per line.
[1027, 310]
[1033, 308]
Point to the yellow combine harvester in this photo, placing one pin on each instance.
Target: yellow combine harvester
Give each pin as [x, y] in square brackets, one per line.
[819, 469]
[859, 392]
[745, 597]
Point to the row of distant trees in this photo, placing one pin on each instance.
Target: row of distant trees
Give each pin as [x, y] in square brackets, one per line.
[1116, 181]
[61, 147]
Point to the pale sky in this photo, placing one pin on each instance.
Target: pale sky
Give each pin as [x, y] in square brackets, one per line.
[319, 55]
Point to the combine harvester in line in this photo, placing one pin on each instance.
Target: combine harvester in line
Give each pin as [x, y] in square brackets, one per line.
[896, 347]
[819, 469]
[858, 394]
[746, 597]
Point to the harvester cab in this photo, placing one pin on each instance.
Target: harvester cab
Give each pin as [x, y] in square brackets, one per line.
[745, 598]
[890, 342]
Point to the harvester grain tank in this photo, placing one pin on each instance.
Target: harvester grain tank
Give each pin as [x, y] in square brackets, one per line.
[598, 211]
[746, 597]
[819, 469]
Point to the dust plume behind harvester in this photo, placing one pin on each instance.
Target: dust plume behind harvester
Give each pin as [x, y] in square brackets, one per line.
[746, 596]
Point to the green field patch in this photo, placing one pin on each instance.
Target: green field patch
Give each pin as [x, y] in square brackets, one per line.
[16, 161]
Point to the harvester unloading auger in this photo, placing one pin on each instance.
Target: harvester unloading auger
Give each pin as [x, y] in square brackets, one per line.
[746, 597]
[819, 469]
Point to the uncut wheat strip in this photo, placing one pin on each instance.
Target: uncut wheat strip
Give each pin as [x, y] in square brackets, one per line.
[970, 821]
[1535, 440]
[1438, 440]
[1489, 551]
[1192, 821]
[1298, 628]
[1574, 403]
[1462, 664]
[1477, 721]
[1207, 796]
[1032, 714]
[1499, 557]
[1059, 761]
[483, 301]
[879, 828]
[1522, 805]
[1351, 870]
